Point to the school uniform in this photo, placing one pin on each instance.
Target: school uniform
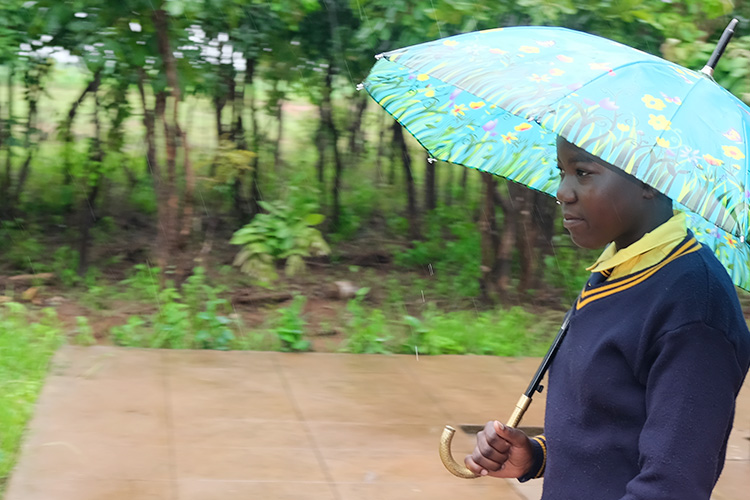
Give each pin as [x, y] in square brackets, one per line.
[642, 391]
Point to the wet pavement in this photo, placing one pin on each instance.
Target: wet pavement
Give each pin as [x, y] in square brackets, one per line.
[115, 423]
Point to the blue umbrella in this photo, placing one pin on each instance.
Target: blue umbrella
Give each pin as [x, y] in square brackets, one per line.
[496, 101]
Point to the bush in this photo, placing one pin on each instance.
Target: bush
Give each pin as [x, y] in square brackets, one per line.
[280, 234]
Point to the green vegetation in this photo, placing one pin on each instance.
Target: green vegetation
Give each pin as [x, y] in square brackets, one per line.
[27, 343]
[280, 234]
[178, 202]
[195, 317]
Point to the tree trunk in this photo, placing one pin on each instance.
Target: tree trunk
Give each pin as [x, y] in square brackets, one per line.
[277, 162]
[464, 182]
[187, 197]
[8, 140]
[167, 194]
[506, 243]
[412, 214]
[254, 186]
[489, 239]
[356, 139]
[545, 213]
[66, 129]
[149, 123]
[88, 215]
[333, 133]
[238, 129]
[526, 229]
[381, 147]
[449, 185]
[430, 198]
[218, 109]
[33, 78]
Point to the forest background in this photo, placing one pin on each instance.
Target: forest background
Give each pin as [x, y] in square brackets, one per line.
[205, 174]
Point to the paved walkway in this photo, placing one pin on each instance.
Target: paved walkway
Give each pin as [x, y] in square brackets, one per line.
[131, 424]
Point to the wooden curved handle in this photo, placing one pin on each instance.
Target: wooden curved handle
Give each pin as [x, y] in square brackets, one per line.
[446, 456]
[446, 439]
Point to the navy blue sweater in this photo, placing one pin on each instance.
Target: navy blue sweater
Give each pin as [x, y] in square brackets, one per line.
[642, 391]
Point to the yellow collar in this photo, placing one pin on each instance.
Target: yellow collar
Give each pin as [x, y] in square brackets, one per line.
[649, 250]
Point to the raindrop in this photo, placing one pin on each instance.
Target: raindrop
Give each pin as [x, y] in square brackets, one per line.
[429, 266]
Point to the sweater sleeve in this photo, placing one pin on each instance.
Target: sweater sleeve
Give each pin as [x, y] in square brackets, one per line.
[692, 379]
[539, 450]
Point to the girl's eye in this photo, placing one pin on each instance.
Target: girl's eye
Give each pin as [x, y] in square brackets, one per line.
[581, 173]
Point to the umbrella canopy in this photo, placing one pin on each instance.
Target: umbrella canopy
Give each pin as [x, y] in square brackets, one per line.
[496, 101]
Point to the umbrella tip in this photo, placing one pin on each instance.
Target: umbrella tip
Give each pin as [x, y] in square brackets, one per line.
[360, 86]
[708, 69]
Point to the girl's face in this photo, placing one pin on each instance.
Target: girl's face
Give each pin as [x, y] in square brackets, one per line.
[600, 203]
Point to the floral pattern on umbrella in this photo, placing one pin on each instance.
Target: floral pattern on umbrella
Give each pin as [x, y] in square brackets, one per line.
[496, 101]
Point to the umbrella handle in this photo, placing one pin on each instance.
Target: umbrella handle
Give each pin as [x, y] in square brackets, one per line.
[446, 438]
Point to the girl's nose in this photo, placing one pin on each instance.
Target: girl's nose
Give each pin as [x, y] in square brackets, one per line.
[565, 191]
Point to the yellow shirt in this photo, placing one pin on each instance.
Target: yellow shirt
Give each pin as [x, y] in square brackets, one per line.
[651, 249]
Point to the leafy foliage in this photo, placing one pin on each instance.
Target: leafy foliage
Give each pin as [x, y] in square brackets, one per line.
[26, 346]
[194, 318]
[290, 326]
[368, 329]
[448, 253]
[279, 234]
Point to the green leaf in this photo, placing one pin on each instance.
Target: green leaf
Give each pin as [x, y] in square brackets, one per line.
[314, 219]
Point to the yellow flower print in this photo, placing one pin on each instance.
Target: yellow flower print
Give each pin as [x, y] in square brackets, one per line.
[476, 105]
[546, 43]
[498, 51]
[450, 43]
[429, 93]
[653, 102]
[565, 59]
[556, 72]
[522, 127]
[529, 49]
[732, 242]
[663, 143]
[539, 78]
[733, 152]
[423, 77]
[732, 135]
[712, 161]
[659, 122]
[508, 138]
[601, 66]
[458, 109]
[622, 127]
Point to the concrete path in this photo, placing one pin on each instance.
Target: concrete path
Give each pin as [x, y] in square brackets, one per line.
[117, 424]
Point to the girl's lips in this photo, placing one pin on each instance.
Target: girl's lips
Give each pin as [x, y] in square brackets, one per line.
[570, 221]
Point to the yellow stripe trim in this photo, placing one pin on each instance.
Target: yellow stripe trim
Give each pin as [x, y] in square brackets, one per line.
[543, 443]
[588, 296]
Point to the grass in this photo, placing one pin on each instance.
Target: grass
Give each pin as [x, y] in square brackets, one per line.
[26, 346]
